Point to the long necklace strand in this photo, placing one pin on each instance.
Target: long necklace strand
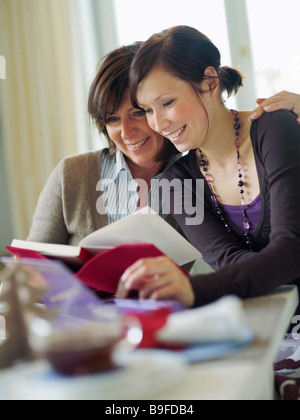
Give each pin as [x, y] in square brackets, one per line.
[241, 184]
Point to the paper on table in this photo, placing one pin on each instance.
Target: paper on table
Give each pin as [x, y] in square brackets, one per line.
[220, 321]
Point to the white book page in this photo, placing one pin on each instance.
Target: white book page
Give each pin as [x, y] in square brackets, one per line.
[145, 227]
[47, 249]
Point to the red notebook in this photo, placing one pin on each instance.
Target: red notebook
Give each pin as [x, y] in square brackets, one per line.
[103, 271]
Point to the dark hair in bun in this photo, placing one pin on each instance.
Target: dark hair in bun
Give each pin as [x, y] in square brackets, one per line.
[230, 80]
[186, 53]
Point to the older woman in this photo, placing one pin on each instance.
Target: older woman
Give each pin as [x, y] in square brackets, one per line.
[77, 198]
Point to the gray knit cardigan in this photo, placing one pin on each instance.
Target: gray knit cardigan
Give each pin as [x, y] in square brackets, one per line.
[66, 210]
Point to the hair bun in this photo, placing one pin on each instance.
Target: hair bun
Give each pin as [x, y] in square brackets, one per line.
[230, 80]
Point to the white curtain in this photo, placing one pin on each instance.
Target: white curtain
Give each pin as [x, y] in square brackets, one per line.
[51, 51]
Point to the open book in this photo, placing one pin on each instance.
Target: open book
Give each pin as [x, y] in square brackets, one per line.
[144, 226]
[116, 246]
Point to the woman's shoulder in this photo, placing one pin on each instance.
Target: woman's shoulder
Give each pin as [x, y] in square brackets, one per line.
[275, 122]
[277, 128]
[84, 158]
[75, 166]
[182, 168]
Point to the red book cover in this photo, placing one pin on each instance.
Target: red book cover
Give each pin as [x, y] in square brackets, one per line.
[25, 253]
[103, 271]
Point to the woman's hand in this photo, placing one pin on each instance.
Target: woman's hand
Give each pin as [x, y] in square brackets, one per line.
[283, 100]
[159, 279]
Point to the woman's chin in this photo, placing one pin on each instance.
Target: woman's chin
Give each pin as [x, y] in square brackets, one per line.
[182, 148]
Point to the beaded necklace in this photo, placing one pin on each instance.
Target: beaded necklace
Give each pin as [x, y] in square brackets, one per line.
[241, 183]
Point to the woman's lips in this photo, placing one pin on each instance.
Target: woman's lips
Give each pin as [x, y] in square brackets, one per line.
[175, 134]
[138, 145]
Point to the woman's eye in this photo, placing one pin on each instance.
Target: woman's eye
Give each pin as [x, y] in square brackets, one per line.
[139, 114]
[147, 111]
[112, 120]
[168, 103]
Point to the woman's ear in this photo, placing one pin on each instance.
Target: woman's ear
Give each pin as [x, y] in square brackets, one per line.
[211, 80]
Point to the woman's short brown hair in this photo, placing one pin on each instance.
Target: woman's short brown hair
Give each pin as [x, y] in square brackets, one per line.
[109, 85]
[108, 88]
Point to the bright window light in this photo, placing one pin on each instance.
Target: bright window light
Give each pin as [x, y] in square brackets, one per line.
[137, 20]
[274, 31]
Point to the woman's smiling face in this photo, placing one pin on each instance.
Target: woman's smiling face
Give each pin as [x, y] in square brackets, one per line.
[173, 109]
[129, 130]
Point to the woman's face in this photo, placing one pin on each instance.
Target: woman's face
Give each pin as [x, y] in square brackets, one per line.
[173, 109]
[129, 130]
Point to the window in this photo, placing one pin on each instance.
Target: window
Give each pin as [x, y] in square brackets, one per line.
[268, 55]
[274, 32]
[138, 22]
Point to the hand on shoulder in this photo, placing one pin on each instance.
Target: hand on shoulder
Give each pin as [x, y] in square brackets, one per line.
[283, 100]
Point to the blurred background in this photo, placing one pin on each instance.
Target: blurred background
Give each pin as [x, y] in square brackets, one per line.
[49, 50]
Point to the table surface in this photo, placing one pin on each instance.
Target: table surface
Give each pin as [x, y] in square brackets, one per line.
[246, 374]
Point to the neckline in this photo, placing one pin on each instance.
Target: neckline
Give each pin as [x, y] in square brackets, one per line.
[253, 135]
[248, 206]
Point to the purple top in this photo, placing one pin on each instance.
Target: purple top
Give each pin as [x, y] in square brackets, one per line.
[234, 213]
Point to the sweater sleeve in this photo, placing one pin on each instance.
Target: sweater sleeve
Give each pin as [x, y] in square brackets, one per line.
[278, 147]
[48, 223]
[66, 211]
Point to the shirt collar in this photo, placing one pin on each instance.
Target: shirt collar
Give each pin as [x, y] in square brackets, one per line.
[121, 164]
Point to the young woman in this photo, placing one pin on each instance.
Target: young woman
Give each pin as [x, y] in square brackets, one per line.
[251, 229]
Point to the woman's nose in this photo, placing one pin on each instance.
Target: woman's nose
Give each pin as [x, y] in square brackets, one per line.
[128, 129]
[158, 123]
